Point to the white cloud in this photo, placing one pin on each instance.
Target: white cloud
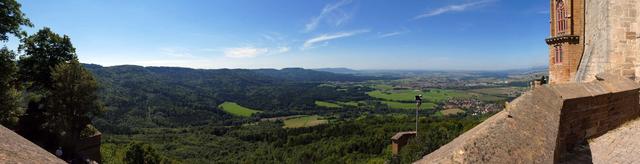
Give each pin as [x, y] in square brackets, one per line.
[250, 52]
[244, 52]
[282, 50]
[326, 37]
[395, 33]
[333, 13]
[176, 52]
[452, 8]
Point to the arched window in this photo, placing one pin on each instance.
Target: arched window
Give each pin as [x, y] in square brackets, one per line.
[561, 23]
[558, 54]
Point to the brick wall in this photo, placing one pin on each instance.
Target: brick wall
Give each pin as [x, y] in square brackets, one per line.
[572, 51]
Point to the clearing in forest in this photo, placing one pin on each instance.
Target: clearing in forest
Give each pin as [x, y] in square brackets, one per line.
[237, 110]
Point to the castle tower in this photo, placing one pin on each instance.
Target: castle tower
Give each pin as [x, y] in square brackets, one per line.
[566, 44]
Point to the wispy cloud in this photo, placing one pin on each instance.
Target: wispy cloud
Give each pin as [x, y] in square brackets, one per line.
[250, 52]
[176, 52]
[391, 34]
[453, 8]
[244, 52]
[327, 37]
[333, 13]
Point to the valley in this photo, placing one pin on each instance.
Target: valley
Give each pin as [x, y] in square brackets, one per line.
[288, 115]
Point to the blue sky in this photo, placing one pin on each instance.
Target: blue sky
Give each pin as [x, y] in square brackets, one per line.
[359, 34]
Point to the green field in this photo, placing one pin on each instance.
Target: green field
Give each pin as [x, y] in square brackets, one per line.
[496, 94]
[237, 110]
[350, 103]
[327, 104]
[383, 87]
[304, 121]
[448, 112]
[399, 105]
[433, 95]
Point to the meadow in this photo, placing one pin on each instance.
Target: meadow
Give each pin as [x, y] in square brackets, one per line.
[432, 95]
[237, 110]
[448, 112]
[304, 121]
[401, 105]
[327, 104]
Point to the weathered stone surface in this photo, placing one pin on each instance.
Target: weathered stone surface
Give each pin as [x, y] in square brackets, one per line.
[15, 149]
[547, 124]
[611, 39]
[621, 145]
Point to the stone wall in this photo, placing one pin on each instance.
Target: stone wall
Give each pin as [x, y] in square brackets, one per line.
[400, 140]
[592, 109]
[15, 149]
[611, 34]
[545, 124]
[596, 40]
[90, 147]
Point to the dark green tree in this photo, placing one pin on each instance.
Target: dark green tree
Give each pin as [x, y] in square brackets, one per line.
[43, 51]
[9, 95]
[12, 18]
[138, 153]
[73, 101]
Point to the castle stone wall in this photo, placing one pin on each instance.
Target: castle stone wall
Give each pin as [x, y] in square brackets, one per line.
[546, 124]
[611, 34]
[596, 40]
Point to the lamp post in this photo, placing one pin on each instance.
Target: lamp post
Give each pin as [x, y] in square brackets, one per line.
[418, 103]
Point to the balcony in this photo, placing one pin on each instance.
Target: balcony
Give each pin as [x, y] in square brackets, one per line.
[573, 39]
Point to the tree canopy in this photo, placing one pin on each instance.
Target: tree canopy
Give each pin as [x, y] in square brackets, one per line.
[73, 100]
[42, 52]
[12, 18]
[9, 95]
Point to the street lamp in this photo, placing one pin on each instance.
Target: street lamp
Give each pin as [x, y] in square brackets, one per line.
[418, 103]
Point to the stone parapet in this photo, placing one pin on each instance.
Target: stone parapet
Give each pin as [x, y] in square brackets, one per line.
[547, 123]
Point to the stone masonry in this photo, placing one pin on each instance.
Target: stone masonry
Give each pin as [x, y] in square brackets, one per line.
[15, 149]
[611, 39]
[546, 125]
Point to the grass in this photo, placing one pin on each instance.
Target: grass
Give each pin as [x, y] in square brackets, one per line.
[433, 95]
[383, 87]
[350, 103]
[399, 105]
[453, 111]
[237, 110]
[327, 104]
[304, 121]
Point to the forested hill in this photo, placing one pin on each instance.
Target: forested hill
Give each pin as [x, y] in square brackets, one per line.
[173, 97]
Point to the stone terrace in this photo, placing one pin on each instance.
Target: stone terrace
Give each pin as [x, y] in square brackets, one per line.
[547, 124]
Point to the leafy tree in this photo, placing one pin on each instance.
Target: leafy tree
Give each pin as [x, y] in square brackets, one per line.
[43, 51]
[12, 18]
[9, 96]
[73, 100]
[138, 153]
